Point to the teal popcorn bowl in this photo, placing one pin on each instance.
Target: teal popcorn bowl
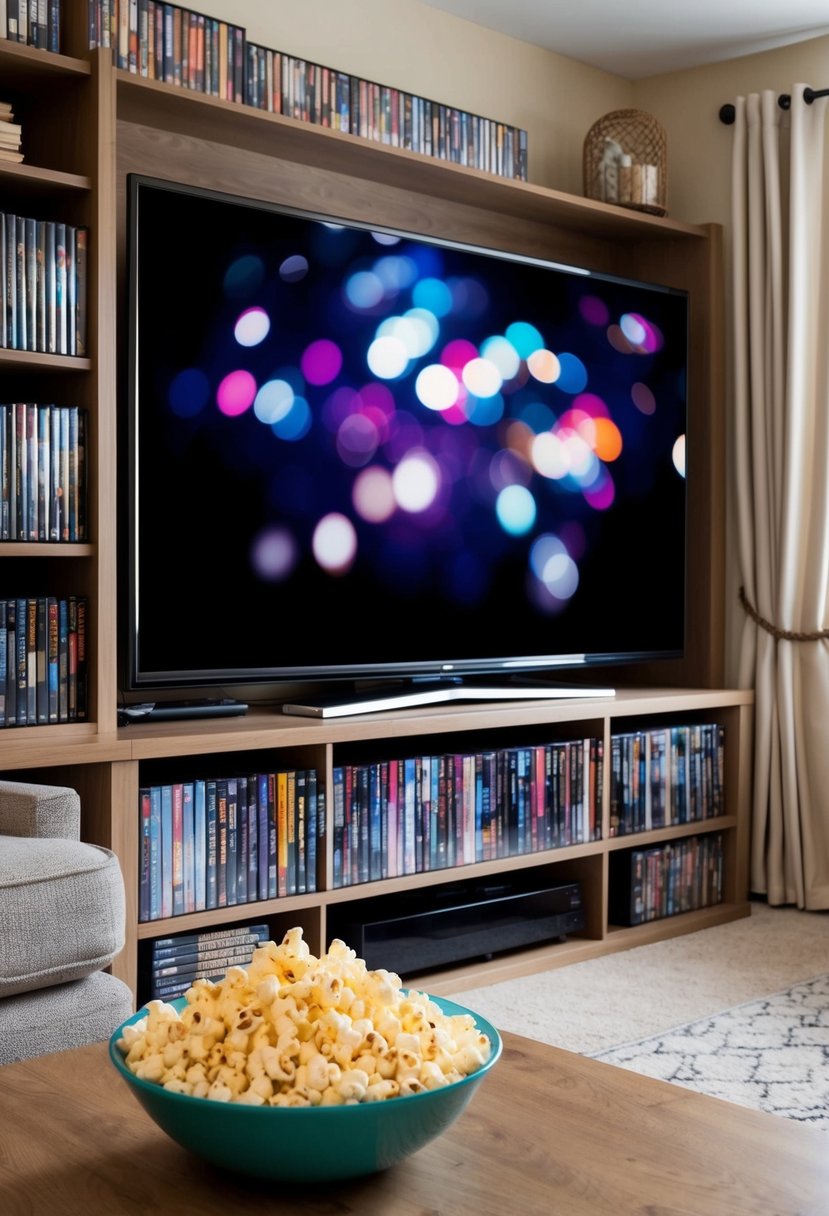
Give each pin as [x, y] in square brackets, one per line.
[312, 1143]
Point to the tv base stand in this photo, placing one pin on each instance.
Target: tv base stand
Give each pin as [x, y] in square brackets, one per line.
[410, 696]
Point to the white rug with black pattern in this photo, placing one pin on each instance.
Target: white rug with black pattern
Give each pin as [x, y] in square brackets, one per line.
[771, 1054]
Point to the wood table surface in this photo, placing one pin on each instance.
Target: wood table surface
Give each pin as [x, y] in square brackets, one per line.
[548, 1132]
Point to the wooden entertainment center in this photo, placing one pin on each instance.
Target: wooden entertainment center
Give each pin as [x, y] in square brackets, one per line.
[86, 126]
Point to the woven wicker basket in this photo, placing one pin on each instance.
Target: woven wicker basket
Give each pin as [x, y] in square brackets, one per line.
[625, 161]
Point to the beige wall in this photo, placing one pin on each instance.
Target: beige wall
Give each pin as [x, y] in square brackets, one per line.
[699, 145]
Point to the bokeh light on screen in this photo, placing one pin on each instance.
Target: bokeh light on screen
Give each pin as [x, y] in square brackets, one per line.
[470, 299]
[386, 238]
[556, 574]
[602, 493]
[643, 335]
[544, 366]
[274, 554]
[321, 361]
[484, 411]
[678, 455]
[293, 268]
[396, 273]
[363, 290]
[516, 510]
[334, 543]
[252, 327]
[549, 456]
[525, 338]
[572, 376]
[643, 398]
[436, 387]
[608, 439]
[416, 481]
[357, 440]
[457, 353]
[501, 352]
[387, 357]
[189, 392]
[433, 295]
[594, 310]
[373, 495]
[482, 377]
[244, 276]
[236, 393]
[296, 423]
[273, 401]
[416, 330]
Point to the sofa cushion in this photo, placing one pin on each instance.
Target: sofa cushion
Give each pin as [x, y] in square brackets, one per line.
[62, 911]
[39, 810]
[57, 1018]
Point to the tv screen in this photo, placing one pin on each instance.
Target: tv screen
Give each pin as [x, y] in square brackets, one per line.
[359, 453]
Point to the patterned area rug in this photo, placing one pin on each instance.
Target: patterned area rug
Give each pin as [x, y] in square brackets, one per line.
[771, 1054]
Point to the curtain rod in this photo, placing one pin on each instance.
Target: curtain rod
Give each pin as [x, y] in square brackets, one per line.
[728, 112]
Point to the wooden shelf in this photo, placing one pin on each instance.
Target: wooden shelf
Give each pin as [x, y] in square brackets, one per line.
[169, 110]
[22, 66]
[35, 179]
[34, 361]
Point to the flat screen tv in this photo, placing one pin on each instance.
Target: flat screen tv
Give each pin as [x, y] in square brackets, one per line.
[361, 456]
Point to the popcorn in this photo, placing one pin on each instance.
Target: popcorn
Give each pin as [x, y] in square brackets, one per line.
[296, 1030]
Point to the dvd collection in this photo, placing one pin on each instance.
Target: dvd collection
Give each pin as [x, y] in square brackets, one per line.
[400, 817]
[665, 776]
[43, 668]
[176, 962]
[183, 47]
[220, 842]
[42, 472]
[43, 284]
[680, 876]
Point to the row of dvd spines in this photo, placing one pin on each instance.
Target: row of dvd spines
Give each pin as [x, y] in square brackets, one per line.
[665, 776]
[667, 879]
[219, 842]
[43, 285]
[43, 660]
[43, 465]
[284, 84]
[398, 817]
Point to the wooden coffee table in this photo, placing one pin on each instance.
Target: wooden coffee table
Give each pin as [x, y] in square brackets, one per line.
[548, 1133]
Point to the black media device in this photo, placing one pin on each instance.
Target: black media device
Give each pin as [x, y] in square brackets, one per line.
[446, 926]
[371, 461]
[202, 707]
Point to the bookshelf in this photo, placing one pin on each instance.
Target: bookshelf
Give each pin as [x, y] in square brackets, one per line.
[86, 125]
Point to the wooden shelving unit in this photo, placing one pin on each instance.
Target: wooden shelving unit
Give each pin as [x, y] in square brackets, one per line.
[86, 126]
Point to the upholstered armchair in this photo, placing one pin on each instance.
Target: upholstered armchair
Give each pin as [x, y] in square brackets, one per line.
[61, 925]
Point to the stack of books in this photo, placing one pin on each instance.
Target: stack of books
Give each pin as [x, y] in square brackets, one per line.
[10, 134]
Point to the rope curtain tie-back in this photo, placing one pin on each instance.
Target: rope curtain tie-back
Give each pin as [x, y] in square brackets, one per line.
[728, 112]
[786, 635]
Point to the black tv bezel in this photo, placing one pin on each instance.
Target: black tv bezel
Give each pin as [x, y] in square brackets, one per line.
[285, 678]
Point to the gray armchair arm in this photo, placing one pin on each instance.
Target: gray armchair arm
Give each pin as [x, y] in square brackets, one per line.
[39, 810]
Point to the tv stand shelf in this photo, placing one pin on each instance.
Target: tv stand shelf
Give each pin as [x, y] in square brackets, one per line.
[273, 737]
[86, 127]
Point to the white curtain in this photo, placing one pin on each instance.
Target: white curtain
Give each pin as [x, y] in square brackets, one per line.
[780, 264]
